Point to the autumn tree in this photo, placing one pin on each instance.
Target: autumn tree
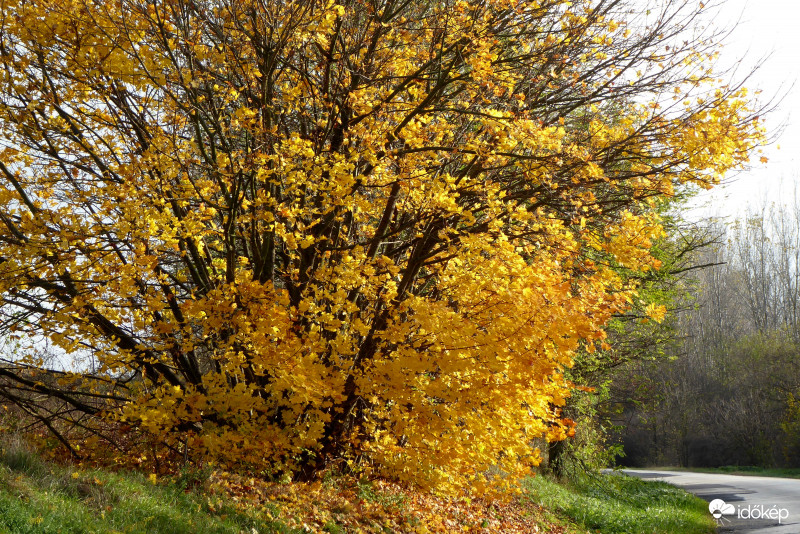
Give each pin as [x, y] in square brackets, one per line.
[292, 234]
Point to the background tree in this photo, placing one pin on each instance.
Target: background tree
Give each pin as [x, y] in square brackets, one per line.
[291, 234]
[729, 395]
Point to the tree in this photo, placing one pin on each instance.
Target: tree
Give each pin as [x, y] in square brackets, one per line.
[289, 234]
[613, 379]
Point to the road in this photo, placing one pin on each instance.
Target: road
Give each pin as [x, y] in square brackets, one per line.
[749, 496]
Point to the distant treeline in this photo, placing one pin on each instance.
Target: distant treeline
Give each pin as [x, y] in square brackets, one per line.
[728, 390]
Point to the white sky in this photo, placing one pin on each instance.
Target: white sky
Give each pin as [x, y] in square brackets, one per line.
[767, 36]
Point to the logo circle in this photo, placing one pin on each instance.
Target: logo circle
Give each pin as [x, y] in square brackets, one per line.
[715, 507]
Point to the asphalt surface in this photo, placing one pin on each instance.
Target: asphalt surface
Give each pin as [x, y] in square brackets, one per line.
[764, 505]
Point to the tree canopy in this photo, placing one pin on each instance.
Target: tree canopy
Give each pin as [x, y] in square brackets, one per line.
[296, 234]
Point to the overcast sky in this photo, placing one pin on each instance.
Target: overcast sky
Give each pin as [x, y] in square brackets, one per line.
[767, 35]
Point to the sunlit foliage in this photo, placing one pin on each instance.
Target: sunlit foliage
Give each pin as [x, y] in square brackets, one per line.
[294, 234]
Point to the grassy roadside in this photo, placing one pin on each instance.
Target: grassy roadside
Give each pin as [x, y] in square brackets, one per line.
[745, 470]
[38, 497]
[617, 503]
[42, 498]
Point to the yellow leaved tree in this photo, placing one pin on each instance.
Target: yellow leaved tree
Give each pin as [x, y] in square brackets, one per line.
[292, 234]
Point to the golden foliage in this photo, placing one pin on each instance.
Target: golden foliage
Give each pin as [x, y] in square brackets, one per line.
[294, 233]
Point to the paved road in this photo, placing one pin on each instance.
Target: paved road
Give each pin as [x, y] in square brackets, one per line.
[748, 495]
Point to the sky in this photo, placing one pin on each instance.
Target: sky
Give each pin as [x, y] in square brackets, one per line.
[765, 34]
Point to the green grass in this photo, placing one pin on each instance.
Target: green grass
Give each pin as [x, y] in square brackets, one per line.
[621, 504]
[42, 498]
[747, 470]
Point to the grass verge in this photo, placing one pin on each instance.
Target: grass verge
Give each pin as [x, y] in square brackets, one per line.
[617, 503]
[42, 498]
[38, 497]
